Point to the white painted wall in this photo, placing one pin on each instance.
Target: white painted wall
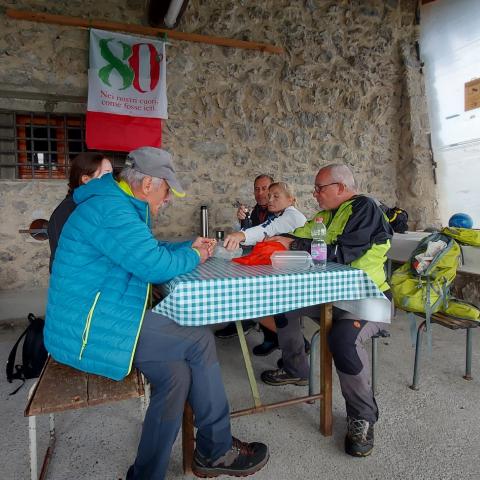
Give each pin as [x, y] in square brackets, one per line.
[450, 48]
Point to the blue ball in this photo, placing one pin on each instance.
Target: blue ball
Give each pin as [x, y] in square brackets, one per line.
[460, 220]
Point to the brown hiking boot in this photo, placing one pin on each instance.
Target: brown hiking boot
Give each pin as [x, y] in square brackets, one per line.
[241, 460]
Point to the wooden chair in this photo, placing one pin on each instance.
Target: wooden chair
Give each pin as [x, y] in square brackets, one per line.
[60, 388]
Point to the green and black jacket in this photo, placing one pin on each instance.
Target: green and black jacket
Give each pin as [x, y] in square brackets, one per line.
[358, 234]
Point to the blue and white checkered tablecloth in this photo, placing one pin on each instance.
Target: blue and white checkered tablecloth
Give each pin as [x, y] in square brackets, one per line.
[221, 291]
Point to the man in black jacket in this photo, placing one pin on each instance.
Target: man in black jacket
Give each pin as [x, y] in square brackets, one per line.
[259, 212]
[257, 216]
[358, 234]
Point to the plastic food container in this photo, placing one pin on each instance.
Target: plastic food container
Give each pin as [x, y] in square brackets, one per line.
[223, 253]
[298, 260]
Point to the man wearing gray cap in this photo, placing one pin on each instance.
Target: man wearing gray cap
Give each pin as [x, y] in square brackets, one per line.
[97, 318]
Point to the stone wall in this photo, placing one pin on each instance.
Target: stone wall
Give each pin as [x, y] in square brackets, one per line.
[338, 94]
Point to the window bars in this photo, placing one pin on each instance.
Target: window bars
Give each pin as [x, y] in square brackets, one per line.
[42, 145]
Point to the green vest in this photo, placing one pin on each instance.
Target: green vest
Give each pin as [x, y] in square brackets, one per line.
[372, 262]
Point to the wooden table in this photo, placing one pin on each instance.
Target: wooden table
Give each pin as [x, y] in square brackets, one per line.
[221, 291]
[325, 395]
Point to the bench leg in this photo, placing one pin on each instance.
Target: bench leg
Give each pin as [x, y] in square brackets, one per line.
[51, 447]
[374, 365]
[32, 434]
[468, 355]
[418, 348]
[188, 439]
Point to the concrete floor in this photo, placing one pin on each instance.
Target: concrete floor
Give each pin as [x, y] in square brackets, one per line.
[430, 434]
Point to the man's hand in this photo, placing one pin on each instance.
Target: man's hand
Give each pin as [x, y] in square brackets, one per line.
[242, 212]
[285, 241]
[204, 254]
[233, 240]
[208, 243]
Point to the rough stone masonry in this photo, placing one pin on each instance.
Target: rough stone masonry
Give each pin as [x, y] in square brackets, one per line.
[348, 89]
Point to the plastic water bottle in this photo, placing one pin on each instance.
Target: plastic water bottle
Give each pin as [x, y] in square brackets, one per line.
[318, 249]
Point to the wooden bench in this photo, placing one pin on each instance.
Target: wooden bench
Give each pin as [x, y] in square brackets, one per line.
[453, 323]
[61, 388]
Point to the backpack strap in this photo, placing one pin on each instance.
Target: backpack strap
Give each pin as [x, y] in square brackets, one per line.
[11, 360]
[18, 368]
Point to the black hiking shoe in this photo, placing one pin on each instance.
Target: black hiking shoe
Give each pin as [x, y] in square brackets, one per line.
[270, 342]
[241, 460]
[359, 438]
[230, 330]
[265, 348]
[281, 377]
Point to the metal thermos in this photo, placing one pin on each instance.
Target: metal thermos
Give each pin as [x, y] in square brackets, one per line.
[204, 220]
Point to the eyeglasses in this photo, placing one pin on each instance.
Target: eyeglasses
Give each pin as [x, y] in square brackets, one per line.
[320, 188]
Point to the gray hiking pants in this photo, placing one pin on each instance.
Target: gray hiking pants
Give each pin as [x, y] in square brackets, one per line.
[346, 342]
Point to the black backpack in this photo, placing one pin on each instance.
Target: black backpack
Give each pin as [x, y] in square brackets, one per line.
[397, 217]
[34, 354]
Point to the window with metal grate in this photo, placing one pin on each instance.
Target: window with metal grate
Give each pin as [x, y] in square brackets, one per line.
[42, 145]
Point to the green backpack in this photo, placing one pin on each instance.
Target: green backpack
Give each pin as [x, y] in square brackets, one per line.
[429, 292]
[426, 292]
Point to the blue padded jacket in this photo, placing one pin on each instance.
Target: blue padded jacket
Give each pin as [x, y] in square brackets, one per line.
[106, 259]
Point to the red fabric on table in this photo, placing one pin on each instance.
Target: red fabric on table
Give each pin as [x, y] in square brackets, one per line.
[260, 254]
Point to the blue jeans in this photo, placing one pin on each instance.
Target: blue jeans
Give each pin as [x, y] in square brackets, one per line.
[181, 364]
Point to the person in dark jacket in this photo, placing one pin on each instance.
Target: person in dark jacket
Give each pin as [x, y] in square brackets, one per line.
[83, 168]
[259, 212]
[358, 234]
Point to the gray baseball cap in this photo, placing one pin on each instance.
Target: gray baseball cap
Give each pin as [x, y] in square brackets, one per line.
[155, 162]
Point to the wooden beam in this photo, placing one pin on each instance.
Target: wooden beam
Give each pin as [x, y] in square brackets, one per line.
[139, 29]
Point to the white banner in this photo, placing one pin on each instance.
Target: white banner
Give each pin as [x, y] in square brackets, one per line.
[127, 75]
